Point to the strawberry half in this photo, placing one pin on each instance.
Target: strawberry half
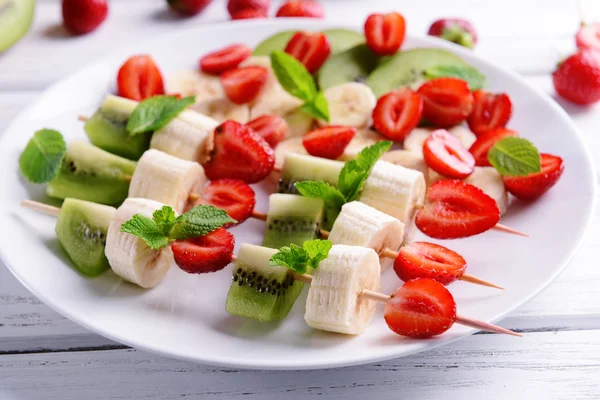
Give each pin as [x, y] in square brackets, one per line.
[243, 85]
[421, 308]
[329, 142]
[446, 101]
[310, 48]
[532, 186]
[445, 154]
[234, 196]
[455, 209]
[204, 254]
[429, 260]
[225, 59]
[139, 78]
[272, 128]
[490, 111]
[239, 153]
[385, 33]
[484, 143]
[397, 113]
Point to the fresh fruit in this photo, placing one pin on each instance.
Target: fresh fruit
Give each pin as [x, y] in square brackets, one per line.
[489, 180]
[407, 159]
[415, 140]
[397, 113]
[301, 8]
[239, 153]
[83, 16]
[352, 65]
[420, 308]
[277, 41]
[225, 59]
[455, 30]
[204, 254]
[248, 13]
[334, 302]
[188, 7]
[231, 195]
[588, 36]
[298, 168]
[139, 78]
[484, 143]
[310, 48]
[15, 19]
[343, 39]
[350, 104]
[445, 155]
[429, 260]
[385, 33]
[446, 101]
[243, 85]
[236, 6]
[328, 142]
[532, 186]
[81, 229]
[577, 78]
[272, 128]
[223, 109]
[455, 209]
[490, 111]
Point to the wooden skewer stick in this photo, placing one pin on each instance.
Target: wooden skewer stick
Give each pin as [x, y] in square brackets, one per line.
[41, 207]
[83, 118]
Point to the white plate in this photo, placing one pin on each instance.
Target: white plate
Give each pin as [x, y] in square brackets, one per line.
[184, 317]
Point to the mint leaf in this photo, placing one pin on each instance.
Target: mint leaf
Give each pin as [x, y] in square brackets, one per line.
[318, 107]
[164, 219]
[514, 156]
[42, 158]
[199, 221]
[299, 258]
[293, 76]
[355, 172]
[317, 251]
[474, 78]
[155, 112]
[334, 199]
[146, 229]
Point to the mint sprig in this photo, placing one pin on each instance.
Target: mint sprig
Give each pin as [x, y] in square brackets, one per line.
[301, 258]
[42, 158]
[514, 156]
[155, 112]
[471, 75]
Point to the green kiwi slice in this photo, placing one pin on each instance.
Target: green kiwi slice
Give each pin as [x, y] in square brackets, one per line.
[15, 19]
[351, 65]
[339, 40]
[301, 167]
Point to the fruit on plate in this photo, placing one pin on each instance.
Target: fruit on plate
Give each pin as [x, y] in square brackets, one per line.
[243, 85]
[234, 196]
[272, 128]
[83, 16]
[333, 303]
[92, 174]
[485, 142]
[292, 219]
[429, 260]
[339, 39]
[445, 154]
[415, 140]
[81, 229]
[204, 254]
[222, 60]
[351, 65]
[490, 111]
[298, 168]
[385, 33]
[139, 78]
[329, 142]
[446, 101]
[223, 109]
[188, 7]
[532, 186]
[577, 78]
[310, 48]
[588, 36]
[15, 19]
[397, 113]
[350, 104]
[277, 41]
[301, 8]
[455, 30]
[192, 82]
[234, 7]
[248, 13]
[407, 159]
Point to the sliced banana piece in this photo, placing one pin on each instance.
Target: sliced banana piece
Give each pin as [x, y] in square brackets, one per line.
[414, 141]
[197, 84]
[170, 180]
[223, 110]
[128, 255]
[299, 123]
[288, 146]
[350, 104]
[407, 159]
[364, 138]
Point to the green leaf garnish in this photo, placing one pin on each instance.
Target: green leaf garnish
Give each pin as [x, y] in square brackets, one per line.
[474, 78]
[42, 158]
[355, 172]
[318, 107]
[147, 229]
[322, 190]
[300, 258]
[155, 112]
[317, 251]
[199, 221]
[513, 156]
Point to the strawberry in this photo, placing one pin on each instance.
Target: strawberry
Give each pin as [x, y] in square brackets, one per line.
[232, 195]
[484, 143]
[139, 78]
[301, 8]
[588, 36]
[385, 33]
[577, 78]
[446, 101]
[445, 154]
[310, 48]
[83, 16]
[243, 85]
[490, 111]
[204, 254]
[329, 142]
[188, 7]
[455, 209]
[259, 6]
[532, 186]
[420, 308]
[455, 30]
[239, 153]
[397, 113]
[272, 128]
[225, 59]
[428, 260]
[248, 13]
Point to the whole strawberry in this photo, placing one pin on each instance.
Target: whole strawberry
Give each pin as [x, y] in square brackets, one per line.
[259, 7]
[577, 78]
[188, 7]
[83, 16]
[455, 30]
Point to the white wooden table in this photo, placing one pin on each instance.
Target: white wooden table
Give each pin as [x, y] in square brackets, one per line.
[45, 356]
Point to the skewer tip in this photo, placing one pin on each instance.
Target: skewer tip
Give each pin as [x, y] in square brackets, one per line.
[508, 229]
[478, 281]
[484, 326]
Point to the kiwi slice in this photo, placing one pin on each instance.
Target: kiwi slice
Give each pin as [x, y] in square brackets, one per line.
[81, 230]
[92, 174]
[258, 290]
[352, 65]
[276, 42]
[406, 68]
[339, 40]
[15, 19]
[106, 129]
[301, 167]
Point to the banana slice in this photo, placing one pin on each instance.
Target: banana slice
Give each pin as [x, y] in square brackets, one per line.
[288, 146]
[196, 83]
[407, 159]
[350, 104]
[361, 225]
[170, 180]
[334, 300]
[129, 256]
[364, 138]
[414, 141]
[299, 123]
[223, 110]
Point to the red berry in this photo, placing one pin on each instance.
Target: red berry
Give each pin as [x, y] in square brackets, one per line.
[83, 16]
[490, 111]
[329, 142]
[397, 113]
[239, 153]
[301, 8]
[484, 143]
[248, 14]
[385, 33]
[310, 48]
[445, 155]
[577, 79]
[455, 209]
[446, 101]
[225, 59]
[204, 254]
[532, 186]
[260, 6]
[243, 85]
[272, 128]
[588, 36]
[455, 30]
[232, 195]
[428, 260]
[188, 7]
[420, 308]
[139, 78]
